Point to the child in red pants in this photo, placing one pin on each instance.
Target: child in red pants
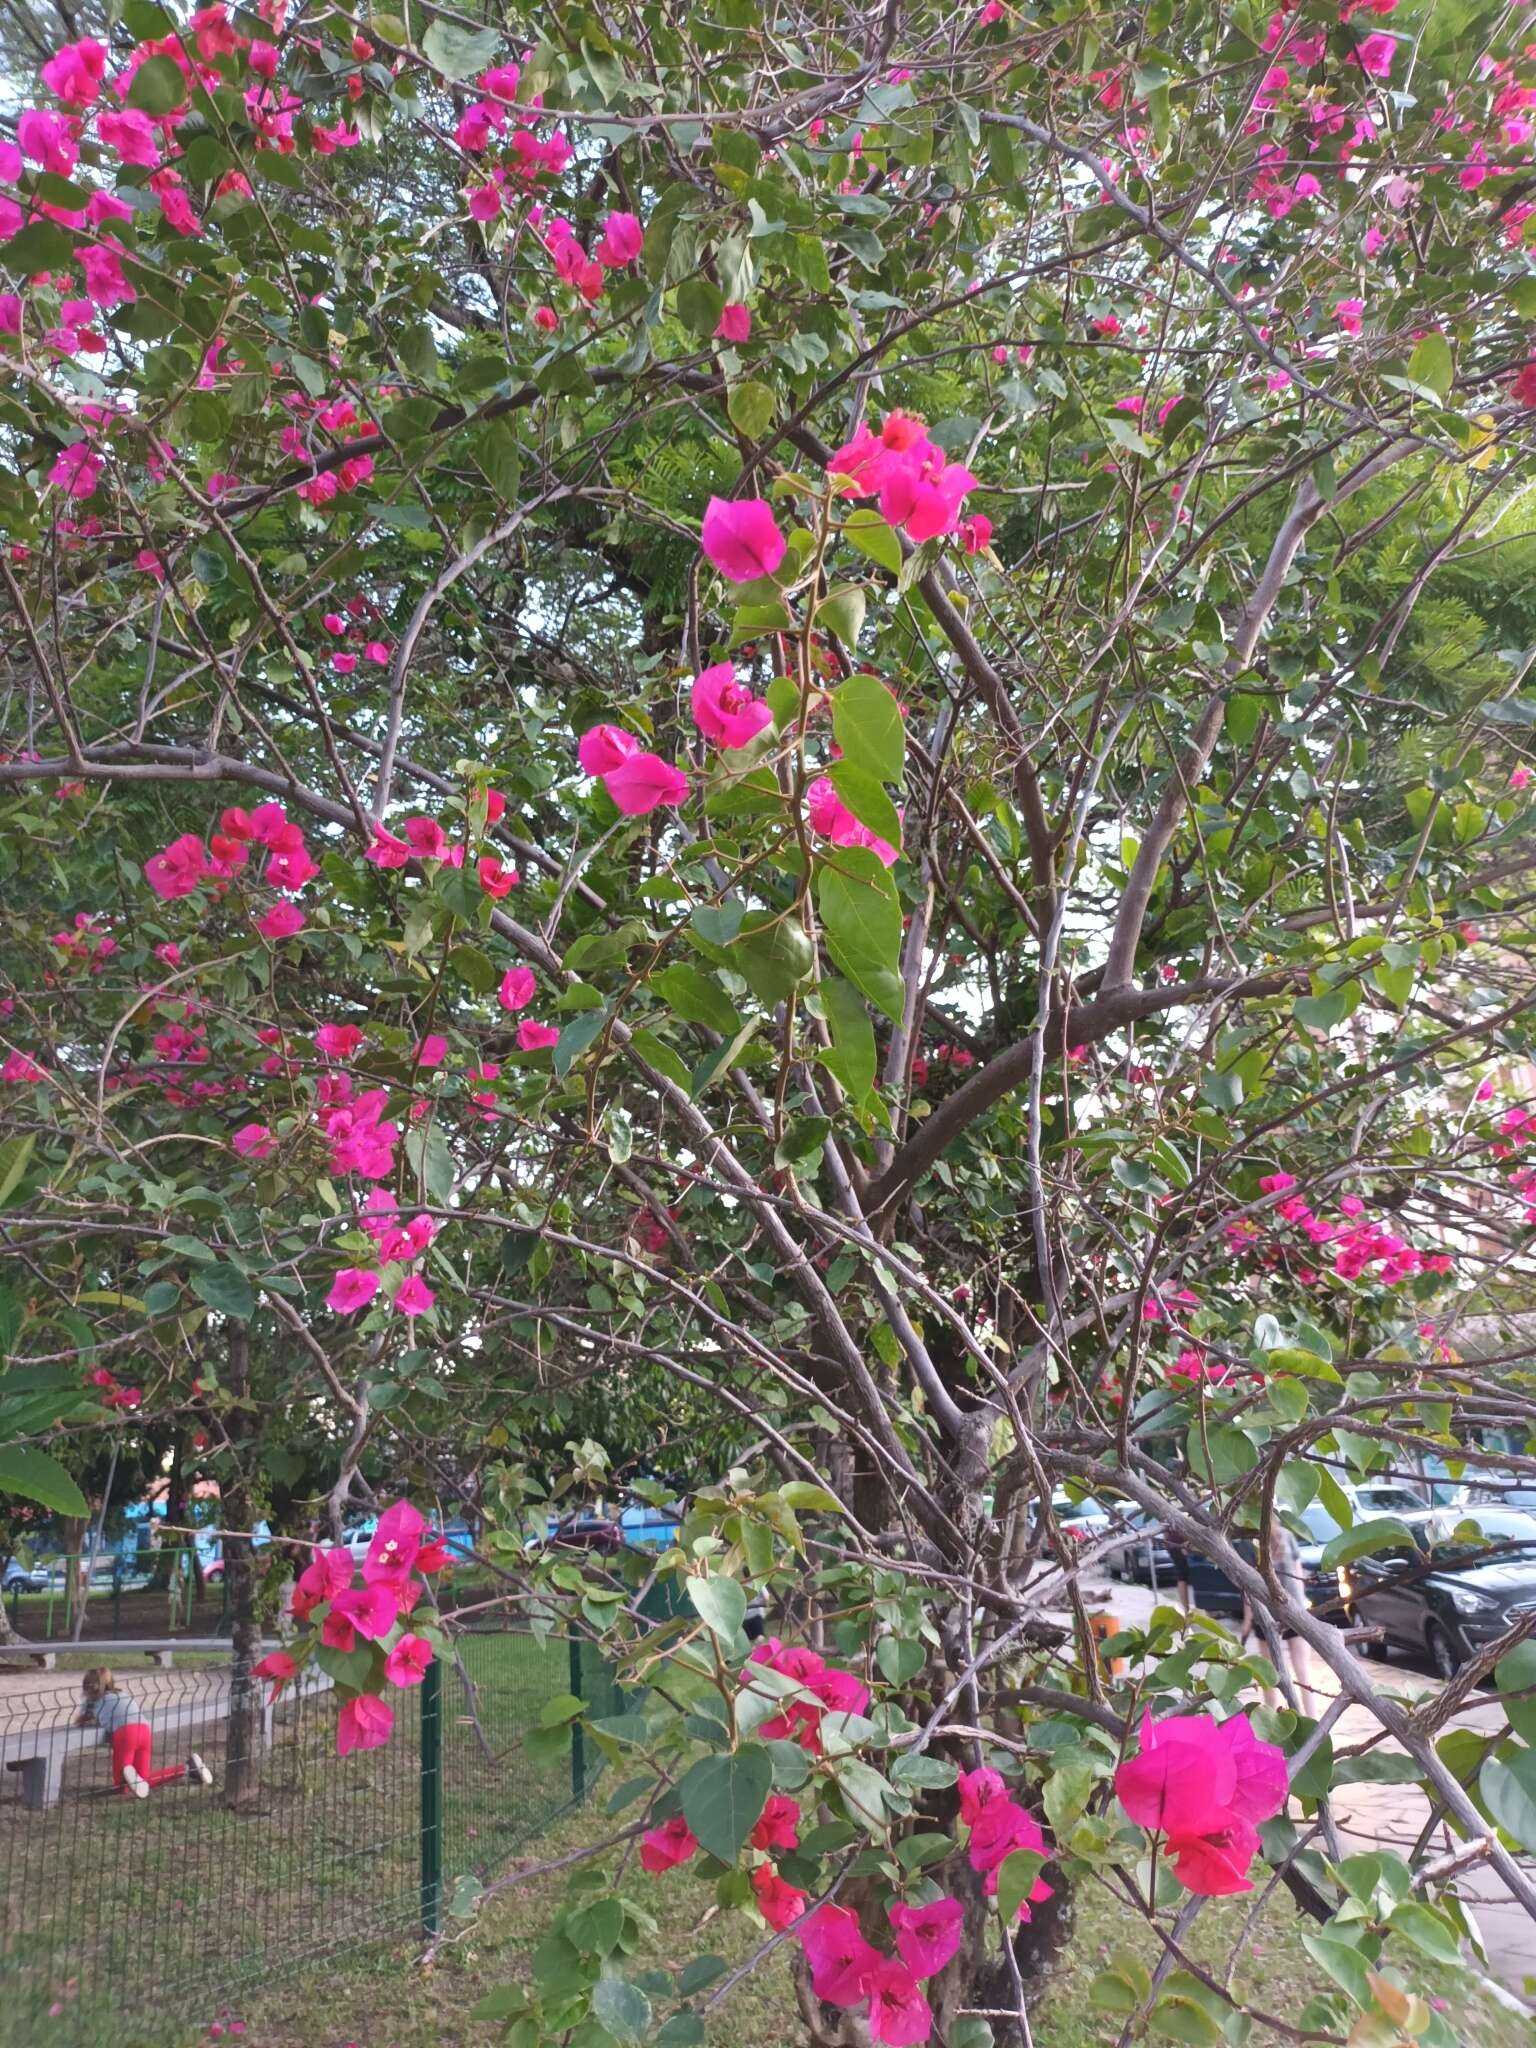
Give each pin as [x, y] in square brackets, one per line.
[103, 1706]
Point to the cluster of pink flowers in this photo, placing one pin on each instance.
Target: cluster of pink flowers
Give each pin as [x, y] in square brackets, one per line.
[340, 419]
[917, 486]
[617, 247]
[187, 864]
[848, 1970]
[76, 75]
[638, 782]
[741, 538]
[1204, 1784]
[777, 1827]
[83, 947]
[373, 1606]
[824, 1690]
[1357, 1243]
[112, 1393]
[955, 1057]
[487, 119]
[726, 711]
[999, 1826]
[400, 1245]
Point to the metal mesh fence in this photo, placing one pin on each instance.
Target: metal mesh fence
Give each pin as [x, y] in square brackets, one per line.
[117, 1908]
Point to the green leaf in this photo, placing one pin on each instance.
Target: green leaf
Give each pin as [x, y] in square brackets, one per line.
[868, 727]
[1183, 2018]
[697, 998]
[852, 1058]
[459, 52]
[865, 796]
[1427, 1930]
[431, 1161]
[42, 245]
[723, 1797]
[751, 407]
[474, 968]
[874, 538]
[772, 955]
[1121, 431]
[718, 923]
[1508, 1786]
[861, 915]
[1362, 1540]
[699, 305]
[698, 1975]
[842, 613]
[802, 1141]
[38, 1475]
[656, 1053]
[1431, 365]
[1514, 1674]
[1306, 1365]
[900, 1658]
[721, 1603]
[1345, 1965]
[807, 1499]
[621, 2007]
[158, 87]
[1015, 1881]
[1231, 1453]
[15, 1157]
[582, 1031]
[226, 1289]
[1321, 1013]
[1395, 983]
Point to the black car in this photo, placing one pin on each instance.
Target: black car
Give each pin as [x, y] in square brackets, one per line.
[1213, 1591]
[1447, 1597]
[1144, 1556]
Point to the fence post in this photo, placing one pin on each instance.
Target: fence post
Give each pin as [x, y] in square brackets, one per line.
[578, 1746]
[432, 1798]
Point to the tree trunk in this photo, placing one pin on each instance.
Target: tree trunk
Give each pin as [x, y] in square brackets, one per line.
[243, 1756]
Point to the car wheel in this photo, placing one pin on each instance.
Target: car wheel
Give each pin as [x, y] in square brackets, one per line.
[1443, 1653]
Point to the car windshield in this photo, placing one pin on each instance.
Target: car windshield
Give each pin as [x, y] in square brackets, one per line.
[1320, 1525]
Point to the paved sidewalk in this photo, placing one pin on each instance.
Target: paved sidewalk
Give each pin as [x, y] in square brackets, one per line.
[1392, 1816]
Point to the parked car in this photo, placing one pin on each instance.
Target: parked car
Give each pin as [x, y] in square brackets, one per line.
[1518, 1494]
[1144, 1557]
[1211, 1589]
[1446, 1596]
[1080, 1519]
[1388, 1497]
[16, 1577]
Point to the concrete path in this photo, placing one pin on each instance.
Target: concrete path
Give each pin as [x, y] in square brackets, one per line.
[1391, 1816]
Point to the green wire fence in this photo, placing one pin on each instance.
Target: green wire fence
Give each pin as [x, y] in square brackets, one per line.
[120, 1914]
